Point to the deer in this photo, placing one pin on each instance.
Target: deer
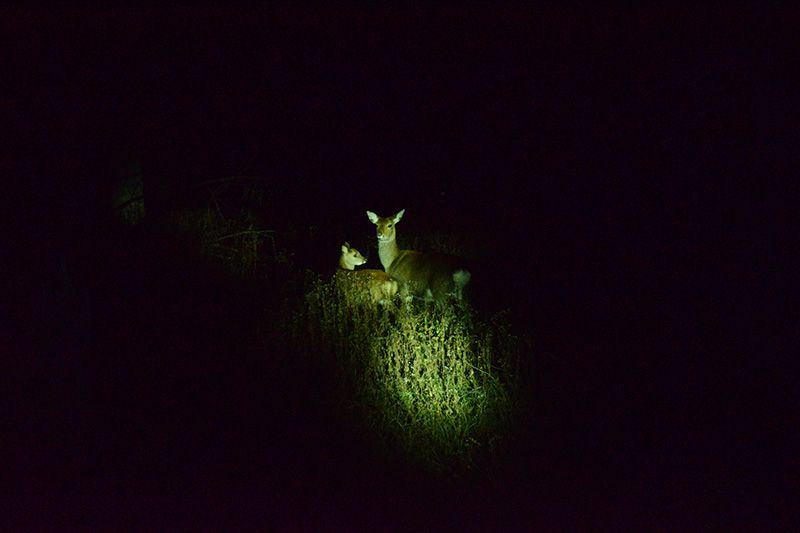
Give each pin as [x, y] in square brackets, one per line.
[430, 276]
[364, 285]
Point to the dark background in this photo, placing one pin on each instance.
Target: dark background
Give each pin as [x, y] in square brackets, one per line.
[615, 172]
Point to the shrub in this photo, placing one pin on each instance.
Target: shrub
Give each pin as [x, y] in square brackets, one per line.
[435, 382]
[227, 229]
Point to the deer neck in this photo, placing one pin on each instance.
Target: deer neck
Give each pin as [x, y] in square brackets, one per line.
[388, 252]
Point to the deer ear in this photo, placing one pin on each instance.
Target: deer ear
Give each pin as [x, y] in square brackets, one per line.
[399, 215]
[372, 216]
[344, 248]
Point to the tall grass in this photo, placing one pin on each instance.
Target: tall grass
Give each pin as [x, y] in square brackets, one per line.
[435, 382]
[227, 230]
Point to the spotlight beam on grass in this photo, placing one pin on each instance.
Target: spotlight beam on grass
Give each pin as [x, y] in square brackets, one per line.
[429, 379]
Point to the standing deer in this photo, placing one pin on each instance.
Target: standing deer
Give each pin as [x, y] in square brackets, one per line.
[429, 275]
[363, 285]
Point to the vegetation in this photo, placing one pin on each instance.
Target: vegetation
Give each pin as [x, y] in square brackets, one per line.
[435, 382]
[226, 229]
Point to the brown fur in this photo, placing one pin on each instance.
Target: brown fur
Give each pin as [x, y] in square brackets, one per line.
[366, 285]
[427, 275]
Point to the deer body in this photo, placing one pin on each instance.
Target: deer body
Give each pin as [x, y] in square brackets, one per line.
[428, 275]
[368, 284]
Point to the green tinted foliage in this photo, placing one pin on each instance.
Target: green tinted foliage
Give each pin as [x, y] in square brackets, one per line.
[435, 382]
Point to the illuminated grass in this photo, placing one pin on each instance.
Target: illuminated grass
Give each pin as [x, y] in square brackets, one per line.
[433, 381]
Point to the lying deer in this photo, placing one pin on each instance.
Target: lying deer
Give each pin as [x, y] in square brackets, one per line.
[427, 275]
[366, 284]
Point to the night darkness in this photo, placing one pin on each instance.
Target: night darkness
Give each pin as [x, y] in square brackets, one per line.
[610, 172]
